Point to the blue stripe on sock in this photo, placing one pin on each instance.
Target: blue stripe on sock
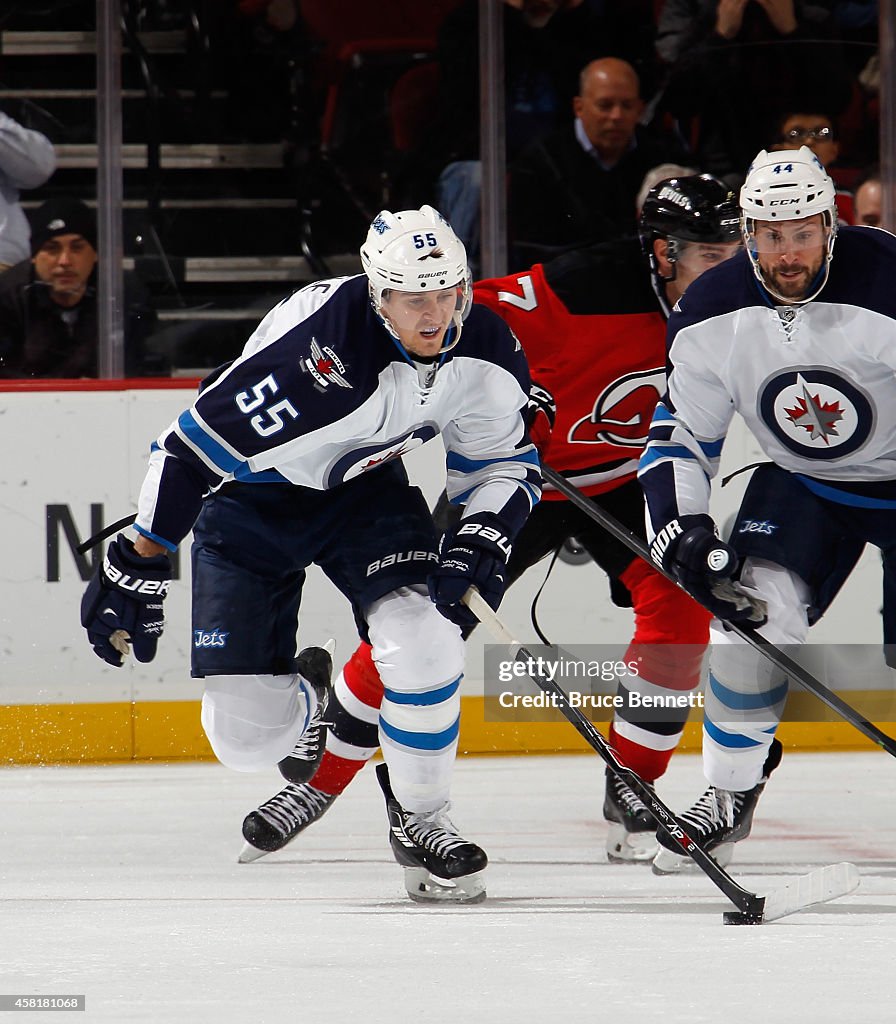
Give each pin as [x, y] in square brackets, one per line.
[424, 699]
[735, 740]
[422, 740]
[747, 701]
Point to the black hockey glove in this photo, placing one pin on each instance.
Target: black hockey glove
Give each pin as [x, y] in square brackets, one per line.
[689, 550]
[540, 414]
[472, 554]
[123, 602]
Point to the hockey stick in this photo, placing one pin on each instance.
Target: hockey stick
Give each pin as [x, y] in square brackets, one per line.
[818, 886]
[774, 653]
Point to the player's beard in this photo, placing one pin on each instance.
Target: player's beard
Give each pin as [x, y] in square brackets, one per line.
[793, 287]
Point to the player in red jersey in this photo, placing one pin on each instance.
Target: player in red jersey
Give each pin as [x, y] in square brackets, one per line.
[593, 324]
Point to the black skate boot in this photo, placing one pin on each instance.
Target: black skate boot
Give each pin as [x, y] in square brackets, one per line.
[279, 820]
[631, 837]
[314, 664]
[718, 820]
[439, 866]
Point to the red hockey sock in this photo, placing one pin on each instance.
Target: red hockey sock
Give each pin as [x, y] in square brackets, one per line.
[335, 773]
[363, 682]
[671, 632]
[649, 764]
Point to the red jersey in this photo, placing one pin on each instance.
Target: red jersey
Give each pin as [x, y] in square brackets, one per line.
[594, 334]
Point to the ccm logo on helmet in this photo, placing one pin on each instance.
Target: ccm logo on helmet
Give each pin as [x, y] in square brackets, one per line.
[124, 581]
[782, 202]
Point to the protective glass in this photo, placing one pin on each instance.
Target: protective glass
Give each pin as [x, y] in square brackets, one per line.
[699, 256]
[788, 237]
[407, 310]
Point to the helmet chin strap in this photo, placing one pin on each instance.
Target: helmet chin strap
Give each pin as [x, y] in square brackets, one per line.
[457, 325]
[452, 333]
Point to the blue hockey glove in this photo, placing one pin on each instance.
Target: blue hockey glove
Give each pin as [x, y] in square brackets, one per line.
[472, 554]
[123, 602]
[689, 550]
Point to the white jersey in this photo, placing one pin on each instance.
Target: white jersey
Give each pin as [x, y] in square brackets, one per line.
[322, 394]
[816, 384]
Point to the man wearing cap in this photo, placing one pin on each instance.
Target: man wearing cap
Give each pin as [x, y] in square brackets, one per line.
[48, 303]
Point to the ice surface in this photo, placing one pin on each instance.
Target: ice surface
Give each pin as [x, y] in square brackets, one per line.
[121, 883]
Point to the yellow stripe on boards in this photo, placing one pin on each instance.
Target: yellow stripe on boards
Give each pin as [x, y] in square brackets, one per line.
[171, 731]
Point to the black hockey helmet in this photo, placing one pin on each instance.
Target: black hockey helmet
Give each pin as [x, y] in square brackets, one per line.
[696, 208]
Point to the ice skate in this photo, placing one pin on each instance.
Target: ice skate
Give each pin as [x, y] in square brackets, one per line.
[439, 866]
[719, 819]
[314, 664]
[631, 834]
[279, 820]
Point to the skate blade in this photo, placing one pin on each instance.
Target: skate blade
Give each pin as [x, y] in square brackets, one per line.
[422, 887]
[250, 853]
[630, 847]
[666, 862]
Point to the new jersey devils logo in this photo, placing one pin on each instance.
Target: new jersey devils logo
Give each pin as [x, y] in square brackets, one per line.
[622, 413]
[816, 413]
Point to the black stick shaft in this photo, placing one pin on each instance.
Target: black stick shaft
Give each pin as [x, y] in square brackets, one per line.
[747, 902]
[774, 654]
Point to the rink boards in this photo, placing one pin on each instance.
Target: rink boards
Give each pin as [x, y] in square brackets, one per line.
[74, 458]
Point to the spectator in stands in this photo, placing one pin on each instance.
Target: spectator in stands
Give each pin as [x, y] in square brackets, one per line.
[867, 197]
[733, 60]
[815, 130]
[818, 132]
[579, 185]
[27, 160]
[48, 303]
[545, 42]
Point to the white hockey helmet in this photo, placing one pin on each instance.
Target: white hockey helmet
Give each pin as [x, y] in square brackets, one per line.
[789, 184]
[416, 251]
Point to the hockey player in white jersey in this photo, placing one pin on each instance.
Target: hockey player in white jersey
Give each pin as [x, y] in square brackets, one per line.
[292, 455]
[802, 343]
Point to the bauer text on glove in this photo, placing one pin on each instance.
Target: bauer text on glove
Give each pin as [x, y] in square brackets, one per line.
[123, 603]
[472, 554]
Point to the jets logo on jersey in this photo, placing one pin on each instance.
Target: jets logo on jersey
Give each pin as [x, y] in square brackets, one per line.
[757, 526]
[368, 457]
[622, 413]
[816, 413]
[325, 366]
[209, 638]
